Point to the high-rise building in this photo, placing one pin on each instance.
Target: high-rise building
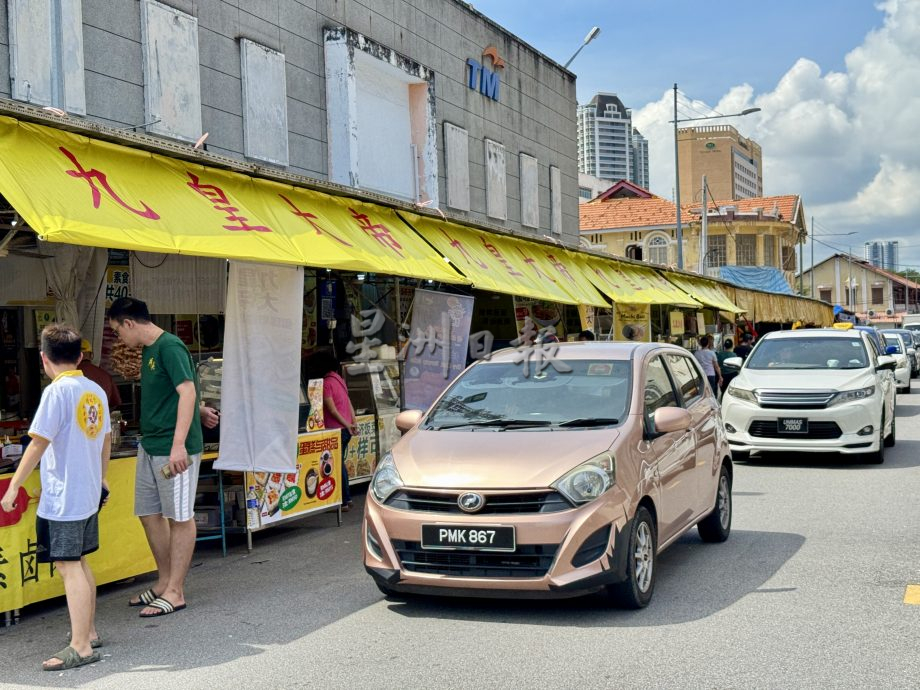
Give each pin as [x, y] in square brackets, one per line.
[731, 163]
[609, 146]
[882, 254]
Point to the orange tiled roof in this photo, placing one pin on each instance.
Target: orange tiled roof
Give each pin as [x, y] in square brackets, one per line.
[785, 204]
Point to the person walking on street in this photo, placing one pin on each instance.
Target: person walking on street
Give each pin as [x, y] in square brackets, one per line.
[710, 364]
[71, 436]
[338, 412]
[169, 455]
[726, 353]
[745, 346]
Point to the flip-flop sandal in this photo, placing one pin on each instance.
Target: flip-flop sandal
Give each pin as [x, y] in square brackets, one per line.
[70, 658]
[163, 608]
[144, 598]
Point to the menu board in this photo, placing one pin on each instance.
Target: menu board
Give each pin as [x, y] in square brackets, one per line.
[315, 485]
[361, 457]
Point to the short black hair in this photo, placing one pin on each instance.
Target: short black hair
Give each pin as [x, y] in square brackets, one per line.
[129, 308]
[586, 335]
[321, 363]
[747, 337]
[704, 341]
[61, 343]
[727, 344]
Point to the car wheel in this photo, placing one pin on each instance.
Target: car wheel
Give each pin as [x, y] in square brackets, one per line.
[635, 592]
[716, 526]
[890, 439]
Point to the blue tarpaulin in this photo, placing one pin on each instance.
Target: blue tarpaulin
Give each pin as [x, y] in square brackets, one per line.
[757, 278]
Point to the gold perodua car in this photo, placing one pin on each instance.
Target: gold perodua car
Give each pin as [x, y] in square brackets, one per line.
[551, 471]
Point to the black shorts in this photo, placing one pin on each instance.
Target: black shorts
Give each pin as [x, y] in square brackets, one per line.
[66, 541]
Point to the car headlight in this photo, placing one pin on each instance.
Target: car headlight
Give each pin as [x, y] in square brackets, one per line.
[589, 480]
[386, 479]
[851, 396]
[741, 393]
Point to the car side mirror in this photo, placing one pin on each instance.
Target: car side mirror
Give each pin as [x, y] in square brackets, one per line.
[886, 363]
[668, 419]
[408, 419]
[891, 350]
[735, 362]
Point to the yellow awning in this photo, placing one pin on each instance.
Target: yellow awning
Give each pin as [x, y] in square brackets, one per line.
[705, 291]
[83, 191]
[628, 284]
[509, 264]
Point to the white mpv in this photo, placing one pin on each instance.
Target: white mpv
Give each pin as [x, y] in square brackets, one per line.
[812, 390]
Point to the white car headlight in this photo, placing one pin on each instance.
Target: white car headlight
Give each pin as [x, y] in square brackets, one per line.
[741, 393]
[386, 479]
[589, 480]
[851, 396]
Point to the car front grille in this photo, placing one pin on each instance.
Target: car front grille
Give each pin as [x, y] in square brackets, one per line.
[495, 504]
[816, 430]
[528, 560]
[798, 400]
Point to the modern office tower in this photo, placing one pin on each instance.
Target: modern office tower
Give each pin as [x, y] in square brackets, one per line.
[732, 164]
[609, 146]
[882, 254]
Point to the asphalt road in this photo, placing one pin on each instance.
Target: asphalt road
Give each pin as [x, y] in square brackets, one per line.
[808, 592]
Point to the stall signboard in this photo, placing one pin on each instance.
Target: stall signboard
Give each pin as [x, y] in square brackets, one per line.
[43, 317]
[361, 456]
[437, 347]
[677, 323]
[123, 550]
[632, 322]
[700, 323]
[314, 485]
[117, 284]
[315, 419]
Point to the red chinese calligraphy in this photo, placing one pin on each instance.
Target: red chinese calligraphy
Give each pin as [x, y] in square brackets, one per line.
[458, 245]
[311, 219]
[530, 261]
[378, 231]
[221, 202]
[94, 177]
[607, 279]
[494, 251]
[559, 266]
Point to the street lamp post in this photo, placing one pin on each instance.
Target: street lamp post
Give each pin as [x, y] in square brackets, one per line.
[680, 231]
[592, 34]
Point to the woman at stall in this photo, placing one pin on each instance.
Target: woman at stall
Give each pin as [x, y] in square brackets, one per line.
[338, 412]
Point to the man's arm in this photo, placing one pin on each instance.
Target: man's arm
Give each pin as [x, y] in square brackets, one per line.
[106, 455]
[178, 456]
[30, 459]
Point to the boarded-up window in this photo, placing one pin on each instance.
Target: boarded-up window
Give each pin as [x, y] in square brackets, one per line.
[496, 183]
[457, 152]
[746, 250]
[555, 200]
[824, 294]
[530, 192]
[172, 83]
[769, 251]
[265, 128]
[46, 53]
[878, 295]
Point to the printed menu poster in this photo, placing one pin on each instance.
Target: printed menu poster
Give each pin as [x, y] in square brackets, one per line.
[316, 483]
[361, 457]
[632, 322]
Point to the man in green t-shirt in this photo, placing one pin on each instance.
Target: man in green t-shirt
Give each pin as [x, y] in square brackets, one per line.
[169, 455]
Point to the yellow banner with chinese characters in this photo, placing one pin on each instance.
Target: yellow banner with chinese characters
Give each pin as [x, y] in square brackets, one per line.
[123, 550]
[83, 191]
[628, 284]
[509, 264]
[705, 291]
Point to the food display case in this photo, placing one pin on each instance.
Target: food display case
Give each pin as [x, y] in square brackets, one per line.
[375, 394]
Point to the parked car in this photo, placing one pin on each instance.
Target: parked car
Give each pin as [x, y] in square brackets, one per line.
[913, 353]
[813, 390]
[896, 348]
[551, 483]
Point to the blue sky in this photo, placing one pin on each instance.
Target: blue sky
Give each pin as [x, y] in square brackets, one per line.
[838, 83]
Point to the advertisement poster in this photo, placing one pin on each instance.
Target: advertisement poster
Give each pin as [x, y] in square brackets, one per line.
[632, 322]
[677, 323]
[700, 323]
[315, 484]
[437, 348]
[541, 312]
[361, 456]
[123, 550]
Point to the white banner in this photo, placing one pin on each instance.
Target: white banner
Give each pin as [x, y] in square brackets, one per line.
[260, 387]
[177, 284]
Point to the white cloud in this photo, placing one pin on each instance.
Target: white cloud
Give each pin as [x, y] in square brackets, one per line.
[848, 143]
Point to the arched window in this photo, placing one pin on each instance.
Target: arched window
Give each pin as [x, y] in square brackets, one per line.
[658, 247]
[634, 251]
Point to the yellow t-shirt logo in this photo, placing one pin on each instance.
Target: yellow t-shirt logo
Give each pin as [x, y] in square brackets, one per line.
[89, 414]
[152, 364]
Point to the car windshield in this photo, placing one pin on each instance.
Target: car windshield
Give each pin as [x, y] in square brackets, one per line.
[895, 340]
[809, 353]
[499, 395]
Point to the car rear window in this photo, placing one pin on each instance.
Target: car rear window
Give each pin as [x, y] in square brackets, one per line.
[809, 353]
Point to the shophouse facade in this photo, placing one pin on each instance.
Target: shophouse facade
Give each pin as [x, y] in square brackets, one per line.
[413, 101]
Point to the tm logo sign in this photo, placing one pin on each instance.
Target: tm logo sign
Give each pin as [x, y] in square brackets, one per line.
[480, 78]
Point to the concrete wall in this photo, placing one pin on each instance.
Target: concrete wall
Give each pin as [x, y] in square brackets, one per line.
[535, 113]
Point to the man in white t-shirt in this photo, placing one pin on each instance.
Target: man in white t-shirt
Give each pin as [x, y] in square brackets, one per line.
[71, 436]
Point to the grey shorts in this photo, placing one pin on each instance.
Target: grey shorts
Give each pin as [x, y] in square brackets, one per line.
[154, 494]
[66, 541]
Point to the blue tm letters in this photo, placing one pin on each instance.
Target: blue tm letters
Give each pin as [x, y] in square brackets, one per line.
[485, 80]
